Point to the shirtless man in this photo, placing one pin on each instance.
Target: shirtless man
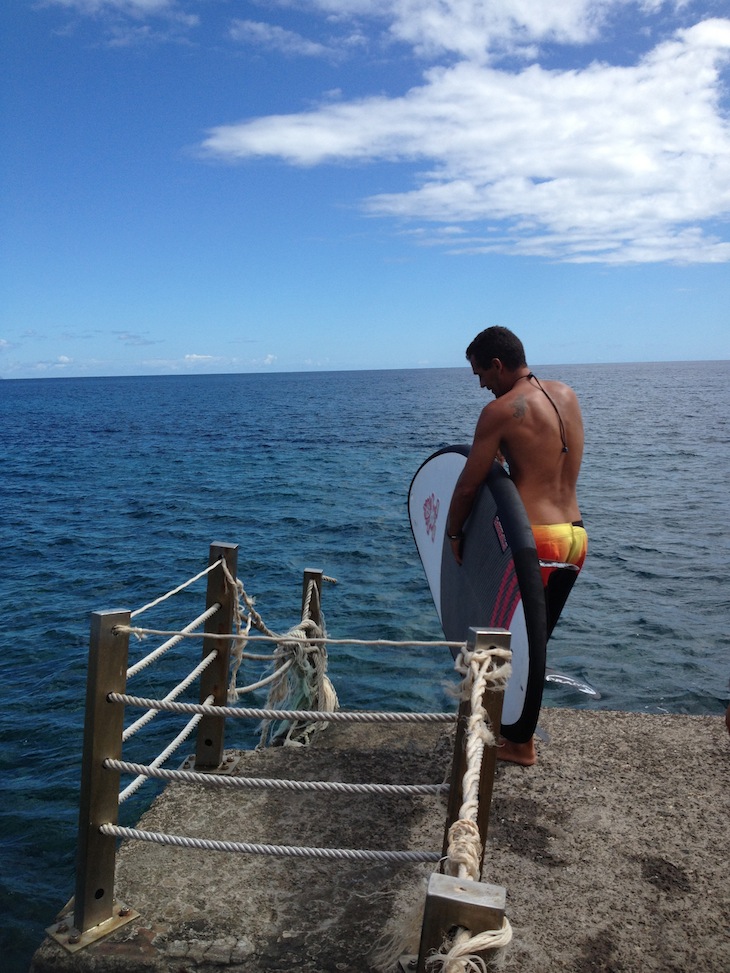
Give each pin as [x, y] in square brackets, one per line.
[537, 427]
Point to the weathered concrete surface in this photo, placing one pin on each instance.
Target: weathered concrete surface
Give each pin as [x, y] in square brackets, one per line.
[613, 851]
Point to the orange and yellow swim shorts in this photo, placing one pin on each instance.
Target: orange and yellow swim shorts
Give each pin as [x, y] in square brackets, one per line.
[561, 543]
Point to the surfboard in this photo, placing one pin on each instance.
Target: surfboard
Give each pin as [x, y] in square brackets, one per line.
[499, 583]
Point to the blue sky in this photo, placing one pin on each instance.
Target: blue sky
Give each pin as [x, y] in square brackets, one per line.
[227, 186]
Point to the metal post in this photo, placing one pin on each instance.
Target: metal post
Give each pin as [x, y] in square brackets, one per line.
[312, 576]
[214, 681]
[478, 638]
[454, 903]
[99, 804]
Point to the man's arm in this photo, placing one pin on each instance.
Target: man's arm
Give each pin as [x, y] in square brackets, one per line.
[483, 452]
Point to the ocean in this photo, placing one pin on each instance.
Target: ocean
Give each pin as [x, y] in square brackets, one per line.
[112, 490]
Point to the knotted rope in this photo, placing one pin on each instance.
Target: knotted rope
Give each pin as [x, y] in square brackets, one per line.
[299, 678]
[463, 949]
[483, 669]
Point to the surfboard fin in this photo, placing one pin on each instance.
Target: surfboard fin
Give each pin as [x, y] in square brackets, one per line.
[561, 679]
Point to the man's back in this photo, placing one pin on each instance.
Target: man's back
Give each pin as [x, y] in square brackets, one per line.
[536, 423]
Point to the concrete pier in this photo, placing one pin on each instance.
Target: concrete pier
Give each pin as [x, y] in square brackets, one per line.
[614, 851]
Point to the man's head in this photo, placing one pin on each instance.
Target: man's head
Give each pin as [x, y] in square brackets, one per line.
[497, 342]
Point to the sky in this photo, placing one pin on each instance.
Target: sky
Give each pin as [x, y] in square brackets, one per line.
[199, 186]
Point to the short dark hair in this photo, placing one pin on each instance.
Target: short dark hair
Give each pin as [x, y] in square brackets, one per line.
[497, 342]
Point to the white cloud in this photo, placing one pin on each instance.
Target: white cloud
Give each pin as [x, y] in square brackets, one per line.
[604, 163]
[478, 29]
[134, 339]
[611, 162]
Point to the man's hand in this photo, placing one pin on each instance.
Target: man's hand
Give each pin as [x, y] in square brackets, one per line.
[457, 547]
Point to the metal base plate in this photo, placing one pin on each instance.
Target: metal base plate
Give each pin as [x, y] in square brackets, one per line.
[229, 765]
[66, 935]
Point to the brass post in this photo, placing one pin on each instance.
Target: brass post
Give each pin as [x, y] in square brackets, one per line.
[99, 802]
[453, 903]
[214, 681]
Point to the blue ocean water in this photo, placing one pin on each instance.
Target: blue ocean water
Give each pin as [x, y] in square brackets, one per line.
[113, 488]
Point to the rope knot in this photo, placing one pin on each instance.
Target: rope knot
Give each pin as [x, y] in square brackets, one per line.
[464, 850]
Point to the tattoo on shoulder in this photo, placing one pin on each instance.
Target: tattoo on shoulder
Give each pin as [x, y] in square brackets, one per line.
[519, 407]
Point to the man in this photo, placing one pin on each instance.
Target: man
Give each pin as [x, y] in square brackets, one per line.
[537, 428]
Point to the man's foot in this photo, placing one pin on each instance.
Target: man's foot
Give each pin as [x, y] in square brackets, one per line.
[523, 754]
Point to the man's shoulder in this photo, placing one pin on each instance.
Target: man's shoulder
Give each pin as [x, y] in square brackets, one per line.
[555, 383]
[555, 387]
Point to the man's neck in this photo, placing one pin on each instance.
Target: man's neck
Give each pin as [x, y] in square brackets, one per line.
[524, 374]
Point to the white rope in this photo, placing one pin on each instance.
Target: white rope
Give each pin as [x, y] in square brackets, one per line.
[275, 714]
[302, 686]
[153, 656]
[173, 694]
[238, 647]
[307, 606]
[482, 669]
[464, 854]
[271, 657]
[175, 591]
[460, 956]
[253, 615]
[272, 677]
[287, 851]
[162, 757]
[277, 784]
[376, 643]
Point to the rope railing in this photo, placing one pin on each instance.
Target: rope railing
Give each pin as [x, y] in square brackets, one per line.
[302, 646]
[324, 640]
[299, 667]
[275, 783]
[314, 716]
[286, 851]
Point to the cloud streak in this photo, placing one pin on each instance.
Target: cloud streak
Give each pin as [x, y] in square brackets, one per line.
[275, 38]
[127, 23]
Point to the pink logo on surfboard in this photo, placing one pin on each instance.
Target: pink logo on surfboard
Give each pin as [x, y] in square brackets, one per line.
[499, 531]
[431, 515]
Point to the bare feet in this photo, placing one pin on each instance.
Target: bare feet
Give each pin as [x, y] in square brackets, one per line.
[517, 753]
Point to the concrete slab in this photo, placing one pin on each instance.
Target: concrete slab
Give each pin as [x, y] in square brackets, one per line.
[613, 850]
